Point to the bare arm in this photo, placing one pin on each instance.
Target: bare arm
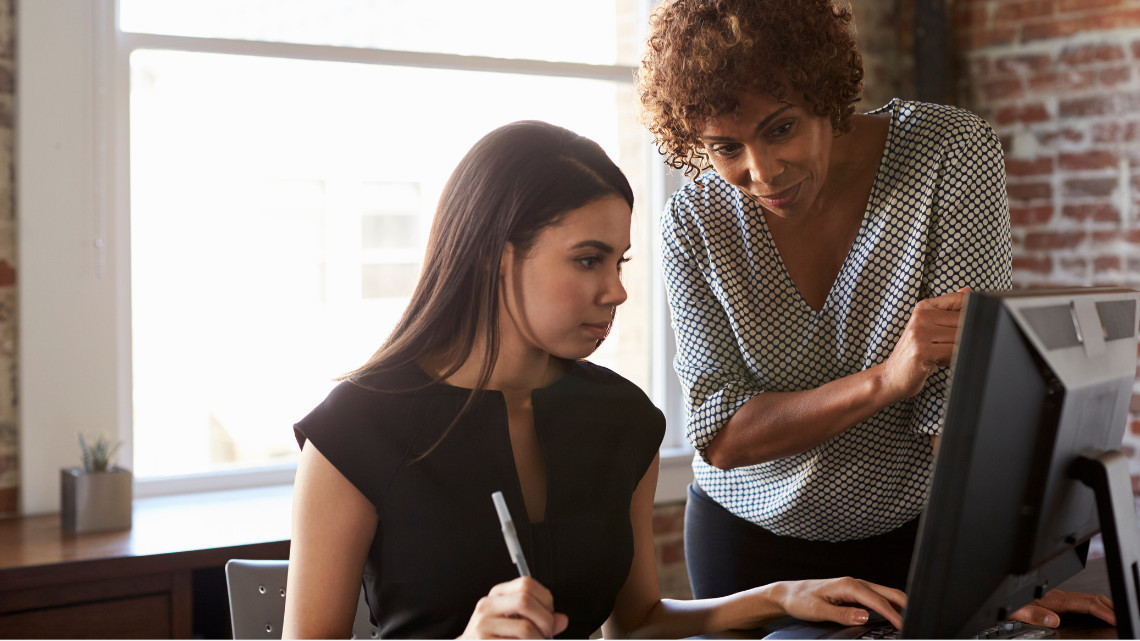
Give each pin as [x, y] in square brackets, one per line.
[640, 612]
[777, 424]
[333, 527]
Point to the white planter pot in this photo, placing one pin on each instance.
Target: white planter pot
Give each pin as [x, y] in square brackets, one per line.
[95, 502]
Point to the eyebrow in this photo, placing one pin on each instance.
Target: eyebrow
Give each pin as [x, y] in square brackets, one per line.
[762, 125]
[599, 245]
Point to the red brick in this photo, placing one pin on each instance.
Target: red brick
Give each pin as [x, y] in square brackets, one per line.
[1053, 240]
[1085, 5]
[1030, 216]
[1048, 30]
[984, 38]
[1032, 113]
[1136, 49]
[1024, 63]
[1090, 106]
[980, 67]
[1074, 266]
[670, 522]
[673, 552]
[1114, 76]
[1036, 265]
[1099, 212]
[1090, 54]
[1077, 80]
[1095, 159]
[1019, 11]
[1044, 82]
[1068, 135]
[1095, 187]
[7, 274]
[9, 500]
[967, 16]
[1029, 191]
[1116, 132]
[1023, 167]
[1003, 89]
[1103, 264]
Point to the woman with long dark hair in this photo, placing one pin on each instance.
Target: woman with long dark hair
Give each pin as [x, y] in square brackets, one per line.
[480, 388]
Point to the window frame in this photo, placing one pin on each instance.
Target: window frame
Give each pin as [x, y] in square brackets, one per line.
[73, 236]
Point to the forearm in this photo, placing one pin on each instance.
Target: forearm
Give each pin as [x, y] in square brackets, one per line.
[671, 618]
[773, 425]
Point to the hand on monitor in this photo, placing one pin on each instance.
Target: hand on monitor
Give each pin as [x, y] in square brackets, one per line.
[926, 344]
[838, 600]
[1046, 610]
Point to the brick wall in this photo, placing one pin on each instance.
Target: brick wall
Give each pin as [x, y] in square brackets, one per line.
[1060, 82]
[9, 446]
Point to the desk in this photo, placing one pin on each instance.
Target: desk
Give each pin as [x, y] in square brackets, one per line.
[136, 583]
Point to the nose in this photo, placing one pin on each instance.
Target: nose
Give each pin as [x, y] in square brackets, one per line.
[614, 293]
[762, 167]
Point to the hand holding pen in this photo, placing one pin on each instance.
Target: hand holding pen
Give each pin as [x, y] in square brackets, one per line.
[518, 609]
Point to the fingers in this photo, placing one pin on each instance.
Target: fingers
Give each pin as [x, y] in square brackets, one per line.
[953, 301]
[833, 600]
[1036, 615]
[886, 601]
[1096, 605]
[518, 609]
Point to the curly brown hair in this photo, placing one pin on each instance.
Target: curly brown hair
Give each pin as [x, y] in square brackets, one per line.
[702, 54]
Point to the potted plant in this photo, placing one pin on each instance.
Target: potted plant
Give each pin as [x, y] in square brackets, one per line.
[97, 496]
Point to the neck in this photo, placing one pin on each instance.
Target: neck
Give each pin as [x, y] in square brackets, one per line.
[516, 370]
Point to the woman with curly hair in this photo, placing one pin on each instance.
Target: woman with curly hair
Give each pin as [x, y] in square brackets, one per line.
[815, 279]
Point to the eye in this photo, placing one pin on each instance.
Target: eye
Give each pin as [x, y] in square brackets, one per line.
[623, 260]
[783, 130]
[589, 262]
[723, 150]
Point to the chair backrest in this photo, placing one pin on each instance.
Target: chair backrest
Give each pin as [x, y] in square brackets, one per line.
[257, 601]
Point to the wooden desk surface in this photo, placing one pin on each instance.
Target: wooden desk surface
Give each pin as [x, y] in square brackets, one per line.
[180, 524]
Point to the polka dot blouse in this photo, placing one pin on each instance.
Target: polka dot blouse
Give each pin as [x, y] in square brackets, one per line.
[937, 220]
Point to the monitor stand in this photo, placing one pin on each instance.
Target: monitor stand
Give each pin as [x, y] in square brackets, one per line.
[1107, 474]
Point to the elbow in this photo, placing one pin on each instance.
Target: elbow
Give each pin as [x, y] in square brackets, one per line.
[720, 456]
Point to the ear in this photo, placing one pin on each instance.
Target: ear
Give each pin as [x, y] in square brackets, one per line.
[507, 258]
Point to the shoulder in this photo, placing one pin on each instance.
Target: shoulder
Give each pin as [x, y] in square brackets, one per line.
[356, 405]
[707, 192]
[933, 120]
[607, 386]
[938, 131]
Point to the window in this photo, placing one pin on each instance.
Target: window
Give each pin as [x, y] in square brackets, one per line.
[263, 178]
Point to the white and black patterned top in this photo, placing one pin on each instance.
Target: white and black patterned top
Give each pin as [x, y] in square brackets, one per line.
[937, 220]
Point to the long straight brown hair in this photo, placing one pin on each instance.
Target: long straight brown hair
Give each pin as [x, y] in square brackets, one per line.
[513, 183]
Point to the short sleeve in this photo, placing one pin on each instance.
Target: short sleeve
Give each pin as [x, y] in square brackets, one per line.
[355, 428]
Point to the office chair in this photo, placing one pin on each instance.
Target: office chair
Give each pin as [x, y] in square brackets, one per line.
[257, 601]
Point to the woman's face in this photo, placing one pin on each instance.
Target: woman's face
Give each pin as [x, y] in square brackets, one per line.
[775, 151]
[560, 297]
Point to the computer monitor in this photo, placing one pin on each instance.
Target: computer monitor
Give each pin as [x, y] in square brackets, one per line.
[1028, 468]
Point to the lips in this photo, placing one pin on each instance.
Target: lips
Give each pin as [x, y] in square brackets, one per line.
[779, 200]
[598, 330]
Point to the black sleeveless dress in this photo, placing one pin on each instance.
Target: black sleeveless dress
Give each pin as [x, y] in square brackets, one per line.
[438, 547]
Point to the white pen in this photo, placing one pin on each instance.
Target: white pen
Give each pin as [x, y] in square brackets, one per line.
[509, 534]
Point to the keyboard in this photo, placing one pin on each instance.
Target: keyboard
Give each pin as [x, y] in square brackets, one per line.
[880, 629]
[1007, 630]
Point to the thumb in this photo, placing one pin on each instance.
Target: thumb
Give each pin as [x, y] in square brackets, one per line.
[561, 621]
